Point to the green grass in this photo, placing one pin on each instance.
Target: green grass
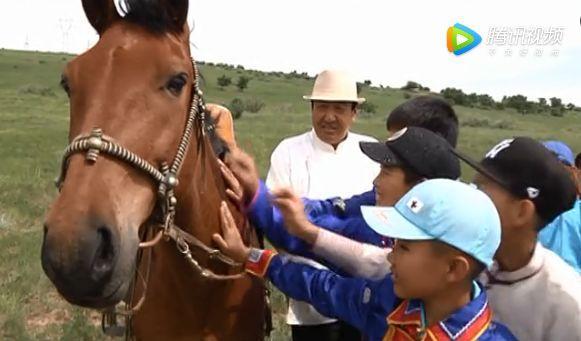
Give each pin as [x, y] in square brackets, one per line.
[33, 130]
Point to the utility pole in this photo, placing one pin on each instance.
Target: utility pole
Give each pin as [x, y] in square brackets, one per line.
[65, 26]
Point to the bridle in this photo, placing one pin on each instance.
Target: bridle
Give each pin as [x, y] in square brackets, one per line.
[166, 178]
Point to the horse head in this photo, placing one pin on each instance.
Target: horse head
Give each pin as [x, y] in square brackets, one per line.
[135, 85]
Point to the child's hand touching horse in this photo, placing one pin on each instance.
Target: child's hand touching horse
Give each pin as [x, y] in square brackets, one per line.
[230, 242]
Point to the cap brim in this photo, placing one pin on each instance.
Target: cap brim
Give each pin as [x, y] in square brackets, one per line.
[380, 153]
[479, 168]
[388, 222]
[333, 99]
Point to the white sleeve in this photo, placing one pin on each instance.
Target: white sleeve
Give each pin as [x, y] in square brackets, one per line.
[358, 259]
[279, 171]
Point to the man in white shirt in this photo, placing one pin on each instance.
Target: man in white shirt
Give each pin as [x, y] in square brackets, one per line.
[321, 163]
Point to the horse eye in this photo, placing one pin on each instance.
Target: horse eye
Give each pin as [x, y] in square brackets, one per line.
[177, 83]
[65, 85]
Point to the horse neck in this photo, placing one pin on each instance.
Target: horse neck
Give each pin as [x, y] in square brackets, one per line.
[200, 191]
[177, 289]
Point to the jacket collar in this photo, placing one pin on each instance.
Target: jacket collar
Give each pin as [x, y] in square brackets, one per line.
[466, 323]
[324, 146]
[534, 266]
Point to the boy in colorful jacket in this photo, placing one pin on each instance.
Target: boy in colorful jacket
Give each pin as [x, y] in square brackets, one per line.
[442, 244]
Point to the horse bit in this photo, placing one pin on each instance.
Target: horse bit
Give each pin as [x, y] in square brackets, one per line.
[167, 179]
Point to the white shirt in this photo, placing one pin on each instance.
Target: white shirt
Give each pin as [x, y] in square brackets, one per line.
[541, 301]
[314, 169]
[357, 259]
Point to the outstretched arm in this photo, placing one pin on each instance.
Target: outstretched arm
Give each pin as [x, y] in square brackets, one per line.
[355, 258]
[349, 299]
[338, 207]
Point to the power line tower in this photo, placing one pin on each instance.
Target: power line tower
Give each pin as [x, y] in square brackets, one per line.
[65, 27]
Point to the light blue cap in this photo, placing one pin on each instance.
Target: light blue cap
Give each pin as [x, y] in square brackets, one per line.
[447, 210]
[562, 150]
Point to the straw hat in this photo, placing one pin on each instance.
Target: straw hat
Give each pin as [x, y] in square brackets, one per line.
[335, 86]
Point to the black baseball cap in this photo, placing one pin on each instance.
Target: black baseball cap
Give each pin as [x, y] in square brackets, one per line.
[418, 149]
[527, 169]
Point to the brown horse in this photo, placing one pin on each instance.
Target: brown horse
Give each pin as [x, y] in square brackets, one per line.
[137, 84]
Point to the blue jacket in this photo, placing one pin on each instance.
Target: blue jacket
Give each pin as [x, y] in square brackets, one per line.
[563, 236]
[372, 307]
[267, 218]
[341, 208]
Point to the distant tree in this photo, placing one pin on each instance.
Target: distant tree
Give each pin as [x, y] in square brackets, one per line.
[529, 107]
[570, 106]
[557, 108]
[518, 102]
[367, 82]
[368, 107]
[224, 81]
[411, 85]
[456, 96]
[542, 106]
[472, 99]
[236, 107]
[556, 102]
[557, 112]
[242, 83]
[253, 105]
[486, 100]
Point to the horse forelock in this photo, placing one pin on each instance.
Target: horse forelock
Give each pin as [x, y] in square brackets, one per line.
[150, 14]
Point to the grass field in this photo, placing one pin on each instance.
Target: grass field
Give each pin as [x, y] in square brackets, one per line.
[33, 130]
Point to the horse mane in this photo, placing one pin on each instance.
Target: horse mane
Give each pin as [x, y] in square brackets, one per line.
[150, 14]
[218, 145]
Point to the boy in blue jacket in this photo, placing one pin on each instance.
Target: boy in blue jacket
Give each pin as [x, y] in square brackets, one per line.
[442, 244]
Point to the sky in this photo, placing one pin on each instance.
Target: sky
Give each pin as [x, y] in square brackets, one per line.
[387, 42]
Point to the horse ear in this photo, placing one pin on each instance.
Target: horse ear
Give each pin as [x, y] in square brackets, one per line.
[178, 12]
[101, 13]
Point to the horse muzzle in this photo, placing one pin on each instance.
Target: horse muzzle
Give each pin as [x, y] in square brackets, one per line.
[89, 268]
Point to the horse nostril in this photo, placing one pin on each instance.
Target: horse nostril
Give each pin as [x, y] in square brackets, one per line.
[105, 253]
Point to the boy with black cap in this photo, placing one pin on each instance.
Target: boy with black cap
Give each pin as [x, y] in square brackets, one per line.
[441, 246]
[531, 289]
